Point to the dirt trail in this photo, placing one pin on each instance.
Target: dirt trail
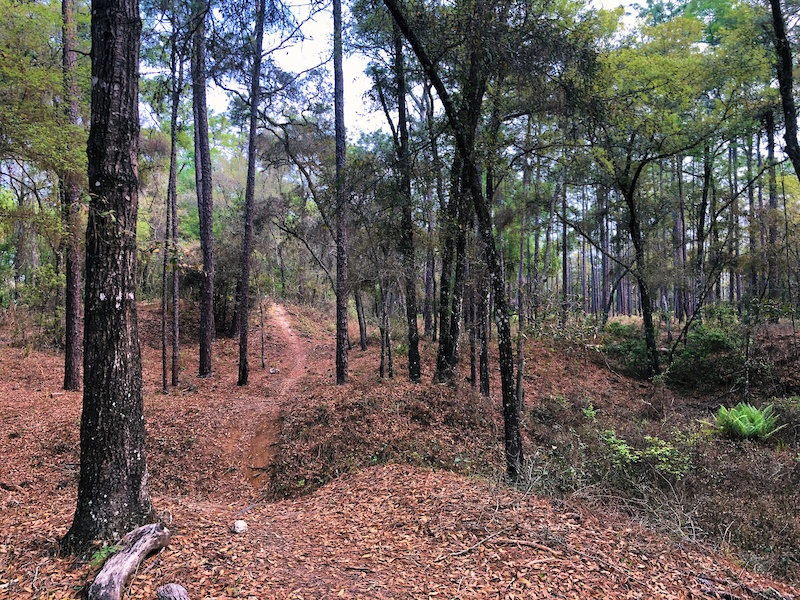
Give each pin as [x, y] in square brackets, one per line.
[260, 456]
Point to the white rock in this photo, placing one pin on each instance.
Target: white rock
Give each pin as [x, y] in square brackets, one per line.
[239, 526]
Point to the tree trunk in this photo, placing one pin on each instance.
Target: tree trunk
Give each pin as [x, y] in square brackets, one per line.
[362, 320]
[635, 228]
[783, 68]
[243, 297]
[465, 146]
[772, 216]
[173, 201]
[752, 224]
[484, 320]
[341, 199]
[205, 199]
[170, 263]
[113, 493]
[71, 214]
[427, 311]
[407, 223]
[448, 224]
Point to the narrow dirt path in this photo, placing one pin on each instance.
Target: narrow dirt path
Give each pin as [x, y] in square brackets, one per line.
[260, 456]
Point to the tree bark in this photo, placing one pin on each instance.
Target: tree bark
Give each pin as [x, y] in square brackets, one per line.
[449, 224]
[784, 68]
[772, 216]
[172, 591]
[135, 547]
[645, 296]
[243, 296]
[342, 284]
[407, 222]
[173, 203]
[464, 146]
[362, 320]
[205, 199]
[113, 492]
[71, 213]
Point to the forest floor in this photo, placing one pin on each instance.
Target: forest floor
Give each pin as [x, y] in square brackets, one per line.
[384, 489]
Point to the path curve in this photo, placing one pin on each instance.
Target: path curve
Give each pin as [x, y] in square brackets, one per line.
[260, 457]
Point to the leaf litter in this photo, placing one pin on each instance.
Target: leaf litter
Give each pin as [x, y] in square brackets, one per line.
[384, 531]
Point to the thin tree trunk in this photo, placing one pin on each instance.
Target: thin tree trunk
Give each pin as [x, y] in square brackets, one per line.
[427, 311]
[173, 200]
[71, 213]
[752, 229]
[171, 227]
[243, 299]
[772, 217]
[484, 321]
[407, 223]
[464, 146]
[362, 321]
[448, 224]
[205, 201]
[564, 260]
[341, 199]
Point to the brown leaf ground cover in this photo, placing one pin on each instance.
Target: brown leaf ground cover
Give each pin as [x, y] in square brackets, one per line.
[409, 529]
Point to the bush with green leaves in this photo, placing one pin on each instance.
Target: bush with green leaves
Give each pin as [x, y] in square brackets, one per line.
[626, 349]
[745, 421]
[664, 457]
[43, 298]
[712, 356]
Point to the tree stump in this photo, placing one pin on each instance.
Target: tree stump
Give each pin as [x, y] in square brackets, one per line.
[136, 545]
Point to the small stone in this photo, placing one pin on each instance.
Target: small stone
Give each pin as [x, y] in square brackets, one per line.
[273, 371]
[239, 526]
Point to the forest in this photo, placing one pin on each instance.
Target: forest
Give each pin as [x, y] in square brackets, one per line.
[525, 251]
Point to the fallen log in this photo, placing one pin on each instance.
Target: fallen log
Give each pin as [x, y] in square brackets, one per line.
[136, 545]
[172, 591]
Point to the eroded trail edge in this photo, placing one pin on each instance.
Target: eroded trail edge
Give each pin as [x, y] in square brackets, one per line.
[260, 456]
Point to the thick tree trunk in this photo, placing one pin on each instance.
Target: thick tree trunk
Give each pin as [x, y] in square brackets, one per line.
[71, 214]
[205, 198]
[243, 297]
[113, 493]
[457, 309]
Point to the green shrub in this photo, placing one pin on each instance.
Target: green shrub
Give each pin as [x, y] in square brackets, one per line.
[626, 349]
[43, 298]
[660, 455]
[745, 421]
[712, 356]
